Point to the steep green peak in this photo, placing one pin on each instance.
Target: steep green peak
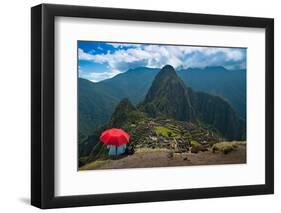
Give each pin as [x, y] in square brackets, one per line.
[168, 67]
[120, 115]
[165, 83]
[167, 70]
[126, 104]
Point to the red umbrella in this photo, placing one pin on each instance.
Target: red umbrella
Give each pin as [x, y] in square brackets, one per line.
[114, 137]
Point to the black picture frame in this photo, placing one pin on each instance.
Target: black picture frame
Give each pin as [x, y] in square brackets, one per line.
[43, 117]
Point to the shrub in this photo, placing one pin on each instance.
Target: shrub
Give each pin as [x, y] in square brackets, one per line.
[194, 143]
[226, 147]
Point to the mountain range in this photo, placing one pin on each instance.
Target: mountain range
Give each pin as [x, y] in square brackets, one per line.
[97, 101]
[170, 112]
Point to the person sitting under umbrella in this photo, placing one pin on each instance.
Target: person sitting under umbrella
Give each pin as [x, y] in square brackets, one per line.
[116, 140]
[116, 150]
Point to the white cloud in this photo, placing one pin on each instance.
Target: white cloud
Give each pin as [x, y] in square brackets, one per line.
[136, 55]
[96, 77]
[85, 56]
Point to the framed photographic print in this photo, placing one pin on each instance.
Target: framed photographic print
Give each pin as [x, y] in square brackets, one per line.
[139, 106]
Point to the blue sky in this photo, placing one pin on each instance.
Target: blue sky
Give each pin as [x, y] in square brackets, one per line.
[98, 61]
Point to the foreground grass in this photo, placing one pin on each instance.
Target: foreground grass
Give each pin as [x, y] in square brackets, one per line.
[226, 146]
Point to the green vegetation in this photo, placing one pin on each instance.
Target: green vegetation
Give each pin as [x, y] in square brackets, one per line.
[169, 96]
[194, 143]
[196, 147]
[165, 131]
[132, 119]
[95, 106]
[182, 117]
[98, 100]
[126, 116]
[121, 113]
[211, 143]
[82, 138]
[228, 84]
[226, 146]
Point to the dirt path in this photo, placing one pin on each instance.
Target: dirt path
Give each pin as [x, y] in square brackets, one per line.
[162, 159]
